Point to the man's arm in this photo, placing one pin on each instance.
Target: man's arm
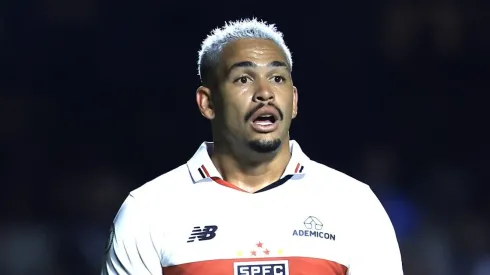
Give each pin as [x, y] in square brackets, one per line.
[130, 249]
[374, 247]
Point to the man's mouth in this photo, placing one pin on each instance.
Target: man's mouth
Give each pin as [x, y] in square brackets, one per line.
[265, 120]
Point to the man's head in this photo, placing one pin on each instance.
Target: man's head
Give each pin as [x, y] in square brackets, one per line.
[247, 90]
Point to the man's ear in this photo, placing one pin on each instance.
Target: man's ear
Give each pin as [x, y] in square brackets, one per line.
[204, 103]
[295, 102]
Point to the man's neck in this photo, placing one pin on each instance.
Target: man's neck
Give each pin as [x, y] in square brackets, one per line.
[251, 174]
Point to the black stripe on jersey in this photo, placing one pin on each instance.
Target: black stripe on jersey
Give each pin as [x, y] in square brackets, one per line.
[301, 169]
[275, 184]
[202, 173]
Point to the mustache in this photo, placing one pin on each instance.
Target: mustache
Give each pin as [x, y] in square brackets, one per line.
[258, 107]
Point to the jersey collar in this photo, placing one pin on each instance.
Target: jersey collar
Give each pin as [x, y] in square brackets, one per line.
[202, 168]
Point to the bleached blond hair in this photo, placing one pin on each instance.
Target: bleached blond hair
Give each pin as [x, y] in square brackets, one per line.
[253, 28]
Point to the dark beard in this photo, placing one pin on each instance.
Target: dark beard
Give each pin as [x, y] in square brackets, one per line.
[265, 146]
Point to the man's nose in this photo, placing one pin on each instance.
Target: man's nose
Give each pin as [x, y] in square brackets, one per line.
[263, 93]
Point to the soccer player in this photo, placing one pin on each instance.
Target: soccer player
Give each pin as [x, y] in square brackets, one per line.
[251, 201]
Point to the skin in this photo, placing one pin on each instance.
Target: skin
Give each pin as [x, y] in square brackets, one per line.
[250, 73]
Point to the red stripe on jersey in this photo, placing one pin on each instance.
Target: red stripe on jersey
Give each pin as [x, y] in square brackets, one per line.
[297, 168]
[297, 266]
[205, 171]
[227, 184]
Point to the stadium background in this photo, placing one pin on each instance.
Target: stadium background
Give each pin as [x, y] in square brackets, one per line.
[98, 98]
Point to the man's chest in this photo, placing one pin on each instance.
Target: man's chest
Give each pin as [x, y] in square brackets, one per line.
[253, 234]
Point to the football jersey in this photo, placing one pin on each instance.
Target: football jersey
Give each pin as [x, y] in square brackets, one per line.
[313, 221]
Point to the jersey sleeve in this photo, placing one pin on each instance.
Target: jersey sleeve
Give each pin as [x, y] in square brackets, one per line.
[374, 247]
[130, 249]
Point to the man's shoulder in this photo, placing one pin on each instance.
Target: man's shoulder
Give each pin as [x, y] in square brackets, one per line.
[347, 192]
[175, 180]
[155, 197]
[329, 177]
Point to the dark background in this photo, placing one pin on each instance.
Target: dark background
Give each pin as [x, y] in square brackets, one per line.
[98, 98]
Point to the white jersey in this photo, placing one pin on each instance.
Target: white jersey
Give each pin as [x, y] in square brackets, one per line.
[314, 220]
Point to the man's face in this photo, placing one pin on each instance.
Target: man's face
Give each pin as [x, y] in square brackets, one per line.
[255, 99]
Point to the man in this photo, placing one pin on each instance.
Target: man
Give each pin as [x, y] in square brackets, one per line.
[251, 202]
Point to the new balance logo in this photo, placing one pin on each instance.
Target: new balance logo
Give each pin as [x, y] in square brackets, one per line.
[208, 232]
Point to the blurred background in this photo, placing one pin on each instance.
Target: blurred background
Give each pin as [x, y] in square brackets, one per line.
[97, 99]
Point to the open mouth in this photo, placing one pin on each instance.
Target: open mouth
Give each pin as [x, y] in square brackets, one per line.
[265, 120]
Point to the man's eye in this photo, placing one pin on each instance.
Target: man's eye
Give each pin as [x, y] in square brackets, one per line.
[278, 79]
[242, 80]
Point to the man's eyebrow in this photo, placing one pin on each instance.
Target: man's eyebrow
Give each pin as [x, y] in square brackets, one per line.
[250, 64]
